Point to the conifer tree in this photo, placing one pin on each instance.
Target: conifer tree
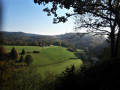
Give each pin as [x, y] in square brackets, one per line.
[14, 54]
[23, 52]
[21, 59]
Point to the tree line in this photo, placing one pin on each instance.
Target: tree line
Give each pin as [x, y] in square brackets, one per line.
[15, 56]
[11, 38]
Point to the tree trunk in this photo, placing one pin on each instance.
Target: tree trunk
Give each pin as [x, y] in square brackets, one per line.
[117, 42]
[112, 36]
[112, 45]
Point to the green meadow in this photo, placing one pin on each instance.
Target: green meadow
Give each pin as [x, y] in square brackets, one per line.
[52, 59]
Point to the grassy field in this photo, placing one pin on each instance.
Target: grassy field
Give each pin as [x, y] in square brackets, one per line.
[50, 59]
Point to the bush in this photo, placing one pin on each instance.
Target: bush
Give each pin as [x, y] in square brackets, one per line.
[28, 52]
[71, 49]
[36, 51]
[101, 76]
[28, 59]
[68, 79]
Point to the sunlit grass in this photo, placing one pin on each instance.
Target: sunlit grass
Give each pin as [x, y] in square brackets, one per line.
[53, 58]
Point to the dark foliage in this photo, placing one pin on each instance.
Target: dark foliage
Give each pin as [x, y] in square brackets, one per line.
[71, 49]
[2, 50]
[13, 78]
[67, 80]
[102, 76]
[2, 53]
[36, 51]
[28, 52]
[28, 59]
[21, 59]
[23, 52]
[14, 54]
[82, 56]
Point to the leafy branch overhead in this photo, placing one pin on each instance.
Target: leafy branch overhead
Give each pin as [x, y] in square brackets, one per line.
[99, 8]
[100, 14]
[66, 4]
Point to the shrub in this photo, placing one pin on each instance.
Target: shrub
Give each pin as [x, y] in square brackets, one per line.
[71, 49]
[36, 52]
[67, 80]
[28, 52]
[28, 59]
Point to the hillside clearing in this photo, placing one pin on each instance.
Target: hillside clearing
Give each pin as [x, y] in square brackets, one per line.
[50, 59]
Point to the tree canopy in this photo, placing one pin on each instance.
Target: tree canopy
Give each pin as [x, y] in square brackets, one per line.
[21, 59]
[28, 59]
[2, 51]
[99, 8]
[14, 54]
[23, 52]
[105, 13]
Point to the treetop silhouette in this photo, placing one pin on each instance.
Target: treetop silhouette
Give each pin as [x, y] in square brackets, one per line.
[105, 13]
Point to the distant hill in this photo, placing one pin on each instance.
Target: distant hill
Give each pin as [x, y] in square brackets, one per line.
[22, 34]
[89, 41]
[21, 38]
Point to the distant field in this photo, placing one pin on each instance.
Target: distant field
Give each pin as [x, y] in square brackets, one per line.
[53, 58]
[19, 48]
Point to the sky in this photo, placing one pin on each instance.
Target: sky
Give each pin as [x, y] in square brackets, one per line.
[26, 16]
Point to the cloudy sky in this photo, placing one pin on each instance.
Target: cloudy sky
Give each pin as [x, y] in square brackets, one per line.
[26, 16]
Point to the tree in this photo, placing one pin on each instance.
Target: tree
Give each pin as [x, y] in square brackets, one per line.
[23, 52]
[2, 53]
[28, 59]
[104, 13]
[72, 49]
[14, 54]
[96, 26]
[21, 59]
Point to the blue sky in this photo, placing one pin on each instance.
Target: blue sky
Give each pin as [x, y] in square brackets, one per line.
[26, 16]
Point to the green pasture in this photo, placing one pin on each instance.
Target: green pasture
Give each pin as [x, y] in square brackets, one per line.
[50, 59]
